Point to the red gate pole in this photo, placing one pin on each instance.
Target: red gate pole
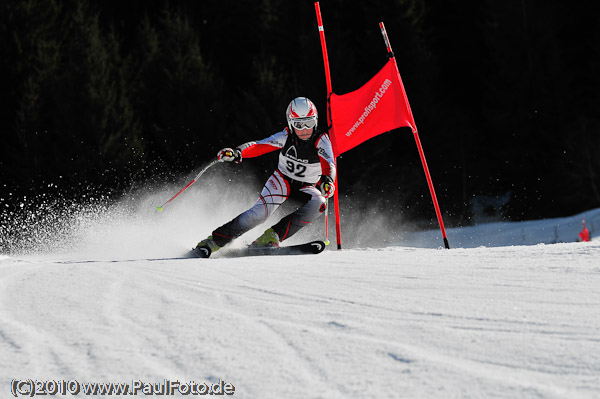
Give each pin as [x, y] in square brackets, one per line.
[419, 147]
[431, 189]
[336, 200]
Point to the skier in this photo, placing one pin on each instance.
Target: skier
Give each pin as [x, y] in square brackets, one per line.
[306, 171]
[584, 235]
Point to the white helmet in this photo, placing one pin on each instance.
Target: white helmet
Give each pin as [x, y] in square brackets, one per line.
[301, 114]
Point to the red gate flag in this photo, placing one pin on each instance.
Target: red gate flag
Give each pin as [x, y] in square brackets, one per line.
[377, 107]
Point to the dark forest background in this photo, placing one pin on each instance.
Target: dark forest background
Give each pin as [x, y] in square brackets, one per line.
[103, 96]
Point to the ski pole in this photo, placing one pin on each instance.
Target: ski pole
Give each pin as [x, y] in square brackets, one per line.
[212, 163]
[327, 242]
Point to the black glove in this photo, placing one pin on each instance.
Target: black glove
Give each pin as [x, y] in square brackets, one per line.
[326, 186]
[230, 155]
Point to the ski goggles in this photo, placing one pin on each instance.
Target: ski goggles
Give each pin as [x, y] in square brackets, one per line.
[300, 124]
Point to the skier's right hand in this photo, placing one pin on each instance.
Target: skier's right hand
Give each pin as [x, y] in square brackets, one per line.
[230, 155]
[326, 186]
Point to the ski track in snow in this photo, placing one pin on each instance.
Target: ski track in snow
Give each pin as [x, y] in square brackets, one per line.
[503, 322]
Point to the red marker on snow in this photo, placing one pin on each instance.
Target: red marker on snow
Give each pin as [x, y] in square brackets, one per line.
[584, 235]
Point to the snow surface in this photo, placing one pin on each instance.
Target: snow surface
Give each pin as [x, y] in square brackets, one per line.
[498, 320]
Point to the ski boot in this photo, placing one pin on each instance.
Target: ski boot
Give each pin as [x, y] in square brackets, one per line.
[269, 239]
[205, 248]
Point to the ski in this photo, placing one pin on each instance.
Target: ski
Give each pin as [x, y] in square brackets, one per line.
[75, 261]
[313, 247]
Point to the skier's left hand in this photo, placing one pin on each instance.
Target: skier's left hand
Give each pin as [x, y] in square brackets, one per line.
[326, 186]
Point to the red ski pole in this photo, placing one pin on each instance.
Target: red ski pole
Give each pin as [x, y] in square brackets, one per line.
[212, 163]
